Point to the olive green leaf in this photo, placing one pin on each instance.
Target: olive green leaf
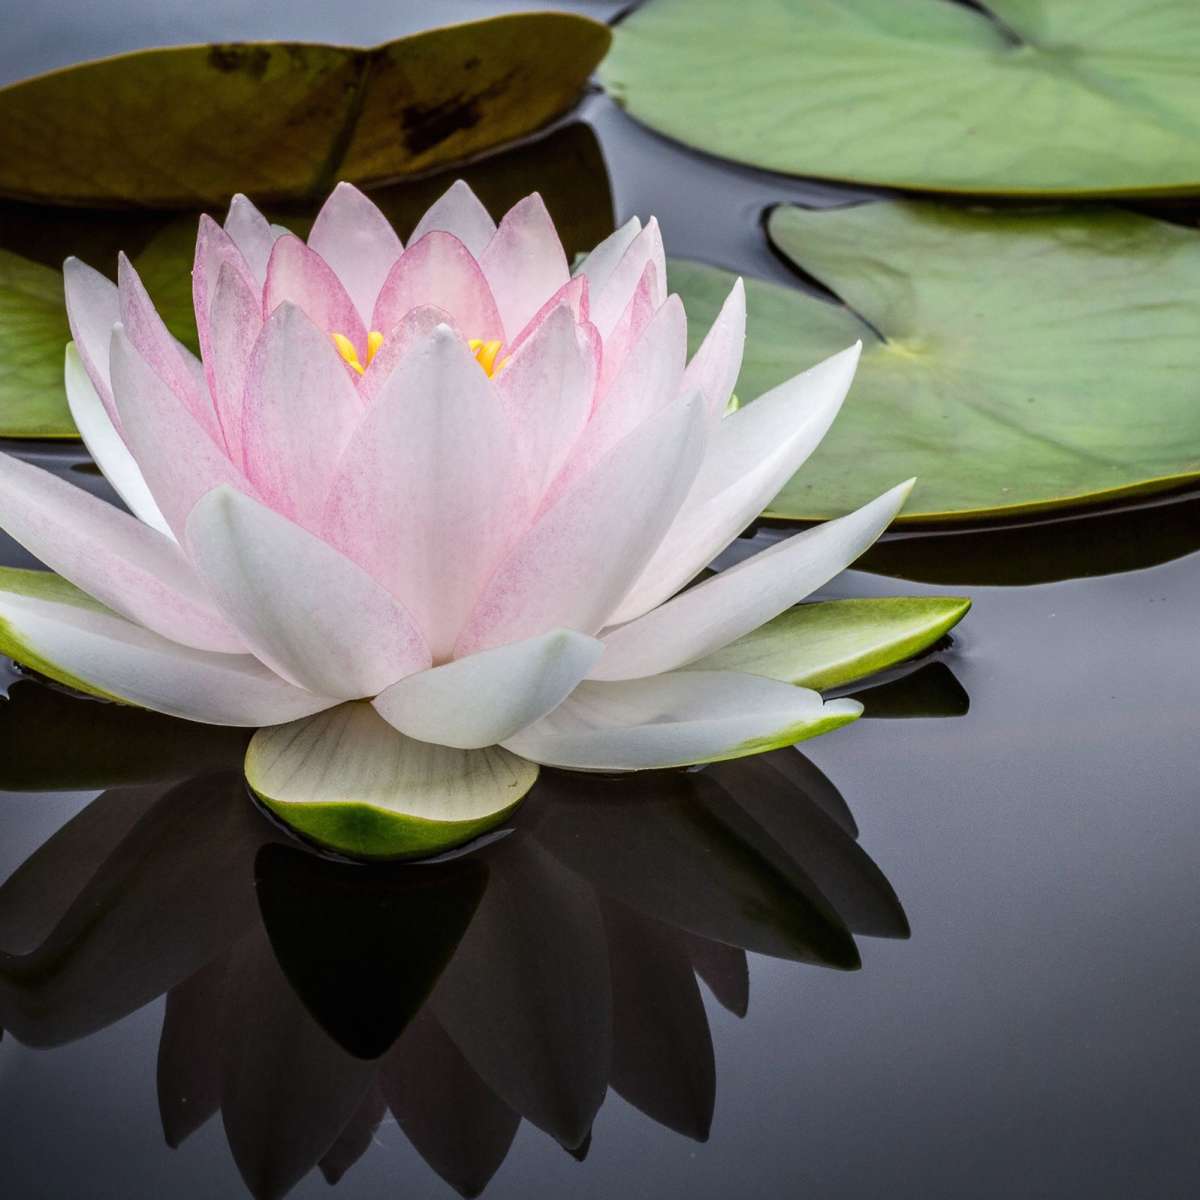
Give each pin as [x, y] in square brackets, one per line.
[1019, 97]
[834, 642]
[1015, 362]
[190, 125]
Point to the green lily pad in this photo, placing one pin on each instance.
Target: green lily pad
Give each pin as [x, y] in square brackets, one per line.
[834, 642]
[1022, 97]
[1015, 362]
[33, 335]
[349, 781]
[190, 125]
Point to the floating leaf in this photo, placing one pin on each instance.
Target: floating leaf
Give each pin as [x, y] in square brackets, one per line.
[1007, 96]
[33, 336]
[190, 125]
[349, 781]
[833, 642]
[1013, 362]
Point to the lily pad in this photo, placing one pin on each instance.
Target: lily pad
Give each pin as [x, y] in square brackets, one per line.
[33, 335]
[190, 125]
[1015, 362]
[350, 782]
[834, 642]
[1022, 97]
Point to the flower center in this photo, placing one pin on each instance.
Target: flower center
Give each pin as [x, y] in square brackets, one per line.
[485, 355]
[349, 352]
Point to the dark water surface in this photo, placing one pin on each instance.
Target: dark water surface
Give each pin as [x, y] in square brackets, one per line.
[1027, 797]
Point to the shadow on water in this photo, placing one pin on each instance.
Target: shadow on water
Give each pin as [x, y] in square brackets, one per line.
[308, 997]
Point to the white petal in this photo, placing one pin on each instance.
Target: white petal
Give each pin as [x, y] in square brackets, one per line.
[484, 698]
[609, 302]
[718, 611]
[715, 365]
[252, 235]
[752, 454]
[93, 307]
[460, 212]
[358, 242]
[428, 493]
[575, 564]
[124, 661]
[106, 446]
[305, 610]
[676, 720]
[599, 265]
[112, 556]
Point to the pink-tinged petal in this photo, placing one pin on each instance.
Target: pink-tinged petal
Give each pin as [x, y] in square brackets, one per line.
[93, 308]
[610, 301]
[439, 271]
[720, 610]
[752, 454]
[215, 250]
[482, 699]
[639, 312]
[582, 554]
[715, 365]
[299, 411]
[427, 493]
[308, 612]
[573, 293]
[676, 720]
[173, 363]
[599, 265]
[649, 378]
[177, 458]
[252, 235]
[415, 326]
[120, 659]
[112, 556]
[300, 276]
[524, 263]
[106, 446]
[234, 326]
[358, 242]
[546, 389]
[460, 212]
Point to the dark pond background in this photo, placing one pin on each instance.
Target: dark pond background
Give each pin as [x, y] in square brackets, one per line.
[1031, 796]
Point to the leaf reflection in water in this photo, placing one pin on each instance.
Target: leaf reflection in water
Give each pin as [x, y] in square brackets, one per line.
[307, 998]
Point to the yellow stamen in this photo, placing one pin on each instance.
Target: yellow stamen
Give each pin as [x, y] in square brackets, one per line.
[485, 354]
[347, 349]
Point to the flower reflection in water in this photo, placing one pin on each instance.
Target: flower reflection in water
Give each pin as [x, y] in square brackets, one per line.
[308, 998]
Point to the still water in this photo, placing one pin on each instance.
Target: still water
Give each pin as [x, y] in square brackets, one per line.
[950, 951]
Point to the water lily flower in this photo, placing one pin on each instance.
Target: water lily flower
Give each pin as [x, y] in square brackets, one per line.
[424, 515]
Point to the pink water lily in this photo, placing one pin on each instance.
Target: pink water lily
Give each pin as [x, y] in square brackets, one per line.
[425, 512]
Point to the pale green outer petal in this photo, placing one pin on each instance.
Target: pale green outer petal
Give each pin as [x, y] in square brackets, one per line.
[487, 697]
[834, 642]
[50, 627]
[348, 780]
[676, 720]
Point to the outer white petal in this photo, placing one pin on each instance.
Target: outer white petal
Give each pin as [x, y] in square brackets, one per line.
[576, 562]
[110, 555]
[93, 307]
[123, 660]
[106, 446]
[715, 365]
[487, 697]
[718, 611]
[602, 261]
[752, 454]
[308, 612]
[676, 720]
[460, 212]
[358, 242]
